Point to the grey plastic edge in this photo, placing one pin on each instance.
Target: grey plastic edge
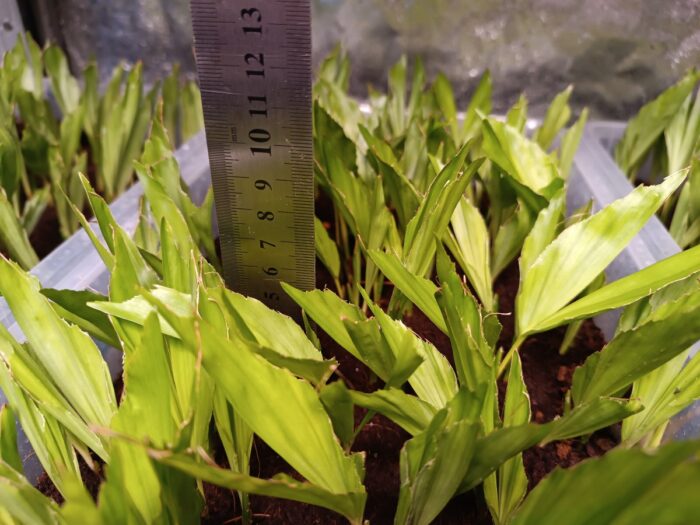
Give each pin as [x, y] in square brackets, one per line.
[596, 176]
[11, 25]
[76, 265]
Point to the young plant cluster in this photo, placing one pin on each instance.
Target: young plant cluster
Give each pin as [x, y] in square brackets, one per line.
[50, 135]
[662, 138]
[408, 182]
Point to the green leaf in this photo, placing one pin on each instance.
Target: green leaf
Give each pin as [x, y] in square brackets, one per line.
[49, 441]
[434, 462]
[132, 491]
[681, 135]
[588, 417]
[373, 349]
[509, 239]
[418, 290]
[301, 433]
[201, 467]
[191, 115]
[670, 330]
[557, 116]
[9, 453]
[629, 289]
[479, 105]
[13, 236]
[102, 213]
[434, 213]
[73, 306]
[350, 194]
[407, 411]
[177, 261]
[434, 380]
[444, 96]
[130, 271]
[64, 86]
[69, 355]
[21, 503]
[396, 103]
[164, 208]
[328, 311]
[665, 392]
[90, 101]
[517, 114]
[270, 328]
[667, 389]
[685, 224]
[471, 248]
[33, 77]
[137, 309]
[415, 159]
[34, 208]
[33, 378]
[316, 371]
[148, 409]
[80, 507]
[569, 144]
[124, 121]
[400, 191]
[168, 104]
[651, 121]
[338, 403]
[512, 479]
[472, 353]
[70, 134]
[236, 438]
[495, 448]
[12, 165]
[326, 249]
[525, 161]
[546, 228]
[581, 252]
[362, 338]
[146, 236]
[637, 485]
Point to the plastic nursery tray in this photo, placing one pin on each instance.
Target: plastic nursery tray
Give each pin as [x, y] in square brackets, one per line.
[75, 264]
[596, 176]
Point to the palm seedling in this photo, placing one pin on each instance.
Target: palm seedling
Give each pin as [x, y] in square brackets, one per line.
[665, 137]
[49, 136]
[197, 355]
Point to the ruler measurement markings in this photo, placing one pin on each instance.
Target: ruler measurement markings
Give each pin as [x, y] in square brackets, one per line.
[266, 71]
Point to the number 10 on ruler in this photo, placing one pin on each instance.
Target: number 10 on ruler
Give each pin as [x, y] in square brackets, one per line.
[253, 60]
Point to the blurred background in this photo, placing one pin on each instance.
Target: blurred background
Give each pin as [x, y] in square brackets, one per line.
[618, 53]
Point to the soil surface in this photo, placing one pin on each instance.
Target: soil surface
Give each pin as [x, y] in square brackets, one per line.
[46, 234]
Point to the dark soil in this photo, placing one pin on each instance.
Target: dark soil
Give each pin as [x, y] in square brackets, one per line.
[46, 234]
[92, 479]
[548, 377]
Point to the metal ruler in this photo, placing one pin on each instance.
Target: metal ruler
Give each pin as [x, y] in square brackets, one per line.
[254, 67]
